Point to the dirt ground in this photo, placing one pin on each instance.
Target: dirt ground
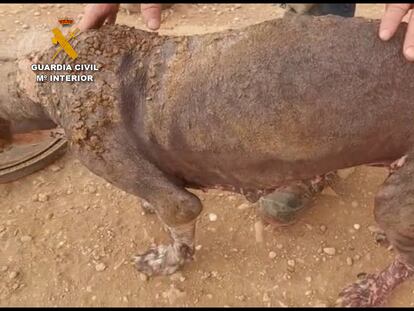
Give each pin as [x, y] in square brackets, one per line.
[67, 237]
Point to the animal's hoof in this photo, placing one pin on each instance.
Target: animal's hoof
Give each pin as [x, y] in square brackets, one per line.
[364, 293]
[163, 260]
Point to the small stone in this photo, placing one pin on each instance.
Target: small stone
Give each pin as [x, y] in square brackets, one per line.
[198, 247]
[241, 297]
[354, 204]
[89, 289]
[357, 226]
[125, 299]
[279, 246]
[329, 250]
[357, 257]
[13, 275]
[380, 238]
[266, 297]
[176, 276]
[4, 268]
[25, 26]
[55, 168]
[26, 238]
[209, 296]
[41, 197]
[374, 229]
[143, 277]
[243, 206]
[36, 13]
[272, 255]
[308, 279]
[349, 261]
[286, 277]
[323, 228]
[100, 267]
[91, 189]
[291, 263]
[258, 230]
[212, 217]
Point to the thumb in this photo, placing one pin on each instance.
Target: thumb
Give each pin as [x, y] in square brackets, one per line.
[152, 15]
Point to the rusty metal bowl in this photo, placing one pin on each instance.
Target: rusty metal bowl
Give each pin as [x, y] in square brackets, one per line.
[30, 152]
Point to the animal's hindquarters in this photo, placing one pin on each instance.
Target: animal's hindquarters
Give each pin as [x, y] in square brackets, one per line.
[16, 99]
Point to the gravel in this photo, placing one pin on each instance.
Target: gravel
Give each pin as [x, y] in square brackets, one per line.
[329, 250]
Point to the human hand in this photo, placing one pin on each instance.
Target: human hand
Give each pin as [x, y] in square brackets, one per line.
[393, 16]
[152, 15]
[97, 14]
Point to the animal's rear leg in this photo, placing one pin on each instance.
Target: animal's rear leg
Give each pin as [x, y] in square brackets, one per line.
[19, 105]
[394, 212]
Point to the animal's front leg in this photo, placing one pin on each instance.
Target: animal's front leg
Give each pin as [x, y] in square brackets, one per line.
[166, 259]
[373, 289]
[178, 210]
[123, 166]
[394, 212]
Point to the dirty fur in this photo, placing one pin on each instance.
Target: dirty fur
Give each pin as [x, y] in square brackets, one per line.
[246, 110]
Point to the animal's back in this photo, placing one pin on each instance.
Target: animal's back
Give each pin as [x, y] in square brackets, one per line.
[287, 98]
